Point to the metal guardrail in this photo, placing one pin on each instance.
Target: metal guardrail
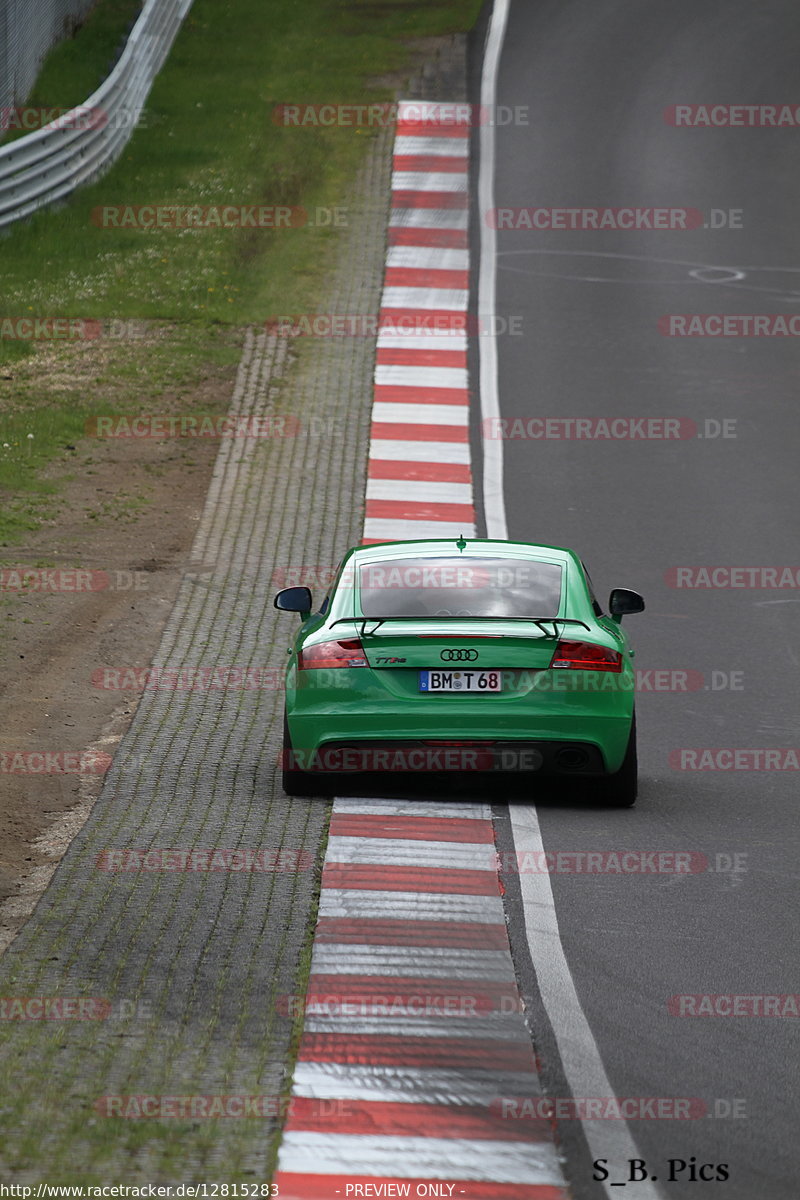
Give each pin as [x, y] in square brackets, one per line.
[79, 146]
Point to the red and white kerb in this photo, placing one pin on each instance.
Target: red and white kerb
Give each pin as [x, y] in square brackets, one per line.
[414, 1033]
[419, 477]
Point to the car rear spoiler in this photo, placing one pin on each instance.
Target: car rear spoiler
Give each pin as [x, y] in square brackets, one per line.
[541, 622]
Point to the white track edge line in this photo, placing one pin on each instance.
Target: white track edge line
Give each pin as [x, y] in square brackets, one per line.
[580, 1054]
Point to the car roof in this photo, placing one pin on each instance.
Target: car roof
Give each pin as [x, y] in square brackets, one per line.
[469, 547]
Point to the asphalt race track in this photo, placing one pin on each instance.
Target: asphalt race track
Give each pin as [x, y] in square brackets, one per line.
[594, 80]
[630, 390]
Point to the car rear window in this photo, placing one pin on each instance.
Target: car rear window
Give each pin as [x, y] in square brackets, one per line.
[471, 587]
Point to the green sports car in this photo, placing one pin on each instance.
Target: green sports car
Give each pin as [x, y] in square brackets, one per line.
[468, 656]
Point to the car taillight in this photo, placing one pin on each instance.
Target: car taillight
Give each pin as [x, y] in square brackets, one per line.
[585, 656]
[332, 654]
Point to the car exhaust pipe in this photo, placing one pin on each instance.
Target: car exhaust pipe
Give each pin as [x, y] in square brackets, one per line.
[572, 758]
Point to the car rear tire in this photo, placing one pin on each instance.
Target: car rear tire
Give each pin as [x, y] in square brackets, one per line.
[620, 789]
[295, 782]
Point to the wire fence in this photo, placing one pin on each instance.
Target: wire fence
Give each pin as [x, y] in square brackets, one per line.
[28, 29]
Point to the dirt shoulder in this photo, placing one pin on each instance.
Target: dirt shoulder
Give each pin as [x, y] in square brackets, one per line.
[128, 510]
[124, 517]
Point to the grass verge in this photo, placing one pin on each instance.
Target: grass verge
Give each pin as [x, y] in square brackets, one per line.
[209, 137]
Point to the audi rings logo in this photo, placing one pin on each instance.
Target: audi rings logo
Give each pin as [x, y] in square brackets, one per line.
[458, 655]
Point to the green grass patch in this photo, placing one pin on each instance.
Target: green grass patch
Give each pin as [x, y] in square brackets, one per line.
[208, 137]
[63, 388]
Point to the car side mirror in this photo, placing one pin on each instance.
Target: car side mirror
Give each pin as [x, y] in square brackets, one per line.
[295, 599]
[622, 602]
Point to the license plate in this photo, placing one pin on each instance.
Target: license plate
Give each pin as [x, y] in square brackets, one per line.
[460, 681]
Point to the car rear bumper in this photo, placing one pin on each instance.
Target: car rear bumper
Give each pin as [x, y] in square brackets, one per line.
[434, 756]
[365, 713]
